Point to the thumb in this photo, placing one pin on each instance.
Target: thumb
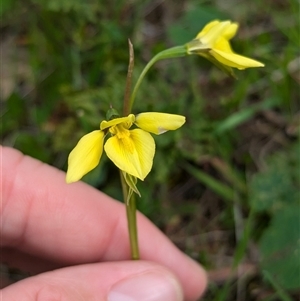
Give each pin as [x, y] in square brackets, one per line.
[110, 281]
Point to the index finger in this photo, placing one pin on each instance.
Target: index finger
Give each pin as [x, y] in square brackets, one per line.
[75, 223]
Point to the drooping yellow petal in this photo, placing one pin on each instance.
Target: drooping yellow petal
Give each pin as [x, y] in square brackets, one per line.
[223, 53]
[85, 156]
[221, 66]
[125, 120]
[132, 154]
[234, 60]
[159, 123]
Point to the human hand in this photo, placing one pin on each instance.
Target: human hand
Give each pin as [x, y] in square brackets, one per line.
[74, 239]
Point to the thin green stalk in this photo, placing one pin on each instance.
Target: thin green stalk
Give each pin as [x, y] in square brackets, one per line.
[173, 52]
[132, 227]
[131, 219]
[129, 196]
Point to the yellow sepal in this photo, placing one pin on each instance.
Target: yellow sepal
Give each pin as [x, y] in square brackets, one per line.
[85, 156]
[159, 123]
[212, 31]
[234, 60]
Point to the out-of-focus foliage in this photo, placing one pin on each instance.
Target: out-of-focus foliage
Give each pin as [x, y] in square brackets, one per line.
[223, 187]
[275, 190]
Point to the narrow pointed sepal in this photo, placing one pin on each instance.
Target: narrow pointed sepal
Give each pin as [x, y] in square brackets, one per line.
[234, 60]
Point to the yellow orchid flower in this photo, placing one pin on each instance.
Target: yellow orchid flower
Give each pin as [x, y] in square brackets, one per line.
[131, 150]
[212, 42]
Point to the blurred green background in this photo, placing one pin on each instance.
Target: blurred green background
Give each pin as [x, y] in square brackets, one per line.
[225, 187]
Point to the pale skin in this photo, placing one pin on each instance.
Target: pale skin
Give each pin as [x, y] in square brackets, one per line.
[74, 239]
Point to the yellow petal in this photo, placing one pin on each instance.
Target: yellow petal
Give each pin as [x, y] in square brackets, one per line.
[234, 60]
[231, 31]
[210, 35]
[85, 156]
[214, 33]
[132, 154]
[223, 45]
[126, 120]
[206, 28]
[221, 66]
[158, 123]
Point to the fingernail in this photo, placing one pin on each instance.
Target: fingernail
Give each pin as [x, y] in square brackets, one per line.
[151, 286]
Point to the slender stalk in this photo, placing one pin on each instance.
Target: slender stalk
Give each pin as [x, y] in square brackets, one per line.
[131, 219]
[130, 201]
[165, 54]
[129, 196]
[132, 227]
[126, 106]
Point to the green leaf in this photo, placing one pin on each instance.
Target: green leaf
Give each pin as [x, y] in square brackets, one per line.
[7, 6]
[244, 115]
[278, 185]
[280, 292]
[280, 248]
[222, 190]
[276, 190]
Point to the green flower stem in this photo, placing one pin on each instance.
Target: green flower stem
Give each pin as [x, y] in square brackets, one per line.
[132, 228]
[173, 52]
[131, 219]
[129, 196]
